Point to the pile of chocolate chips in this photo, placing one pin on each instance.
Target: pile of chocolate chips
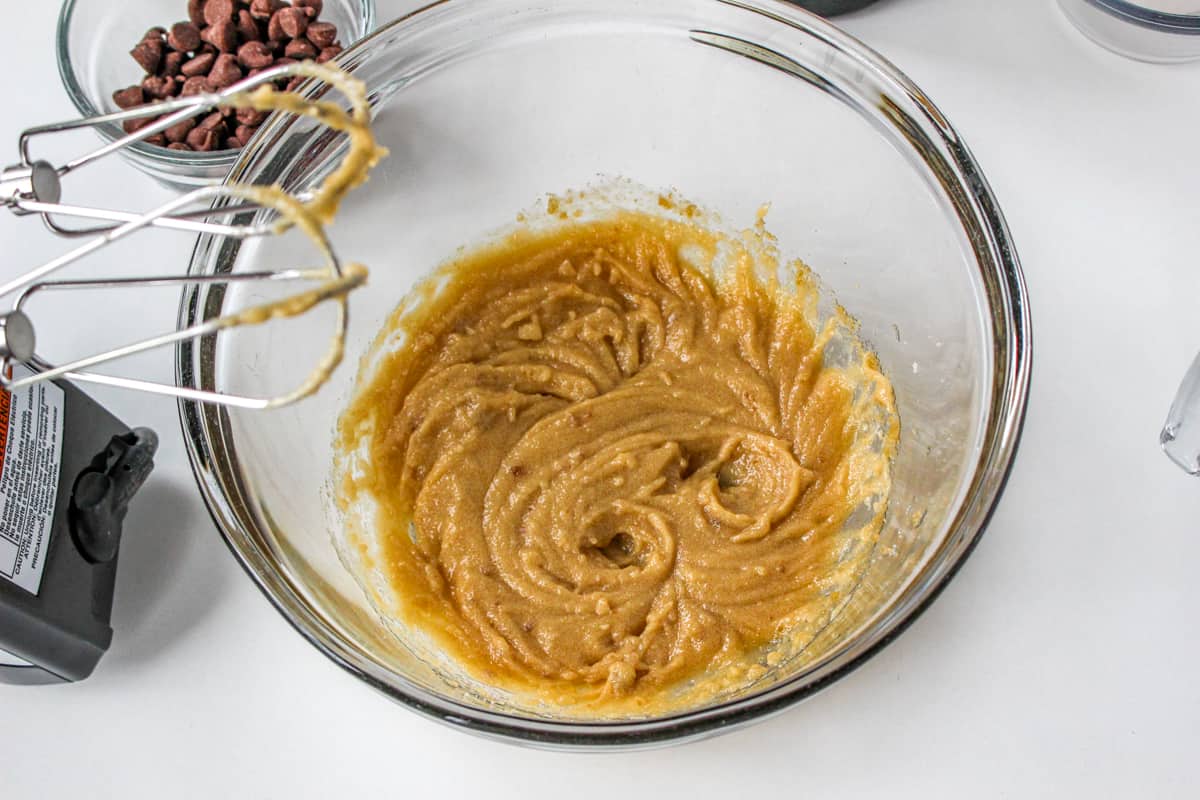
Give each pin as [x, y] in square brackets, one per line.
[222, 42]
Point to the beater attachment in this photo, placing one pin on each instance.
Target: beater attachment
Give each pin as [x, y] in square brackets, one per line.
[34, 187]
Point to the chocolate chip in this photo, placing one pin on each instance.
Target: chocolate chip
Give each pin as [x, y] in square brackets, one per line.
[196, 12]
[294, 83]
[251, 116]
[233, 143]
[158, 87]
[213, 122]
[255, 55]
[179, 131]
[187, 148]
[197, 84]
[203, 140]
[184, 37]
[134, 125]
[295, 21]
[172, 63]
[129, 97]
[322, 34]
[276, 45]
[155, 34]
[148, 54]
[247, 27]
[211, 140]
[221, 35]
[312, 8]
[156, 138]
[328, 53]
[290, 22]
[218, 11]
[245, 133]
[300, 49]
[200, 65]
[275, 29]
[225, 71]
[264, 9]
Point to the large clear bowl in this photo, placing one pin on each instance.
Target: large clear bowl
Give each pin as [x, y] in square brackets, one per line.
[487, 105]
[93, 44]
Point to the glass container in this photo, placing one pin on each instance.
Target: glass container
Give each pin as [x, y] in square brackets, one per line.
[94, 40]
[487, 106]
[1152, 30]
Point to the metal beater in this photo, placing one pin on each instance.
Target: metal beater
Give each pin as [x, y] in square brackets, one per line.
[35, 187]
[68, 467]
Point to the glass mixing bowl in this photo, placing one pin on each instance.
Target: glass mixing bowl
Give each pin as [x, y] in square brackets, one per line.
[487, 105]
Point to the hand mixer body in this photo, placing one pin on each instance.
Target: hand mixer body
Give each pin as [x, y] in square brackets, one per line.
[56, 591]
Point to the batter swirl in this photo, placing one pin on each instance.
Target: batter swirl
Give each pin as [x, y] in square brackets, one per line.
[598, 469]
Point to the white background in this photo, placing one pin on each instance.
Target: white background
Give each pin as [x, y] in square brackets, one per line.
[1060, 662]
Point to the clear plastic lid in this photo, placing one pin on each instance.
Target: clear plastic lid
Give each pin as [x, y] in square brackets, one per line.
[1148, 30]
[1180, 437]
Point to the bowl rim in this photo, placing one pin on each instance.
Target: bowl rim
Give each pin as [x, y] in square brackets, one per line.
[110, 131]
[221, 484]
[1162, 21]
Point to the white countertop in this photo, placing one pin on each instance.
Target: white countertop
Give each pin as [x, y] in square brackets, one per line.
[1060, 662]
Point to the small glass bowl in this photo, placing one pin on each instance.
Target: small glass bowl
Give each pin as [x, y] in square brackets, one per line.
[1144, 31]
[94, 39]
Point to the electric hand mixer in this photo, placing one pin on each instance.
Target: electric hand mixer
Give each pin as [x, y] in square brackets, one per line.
[68, 468]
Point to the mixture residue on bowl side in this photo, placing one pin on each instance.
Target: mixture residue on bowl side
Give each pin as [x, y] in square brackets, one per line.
[602, 473]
